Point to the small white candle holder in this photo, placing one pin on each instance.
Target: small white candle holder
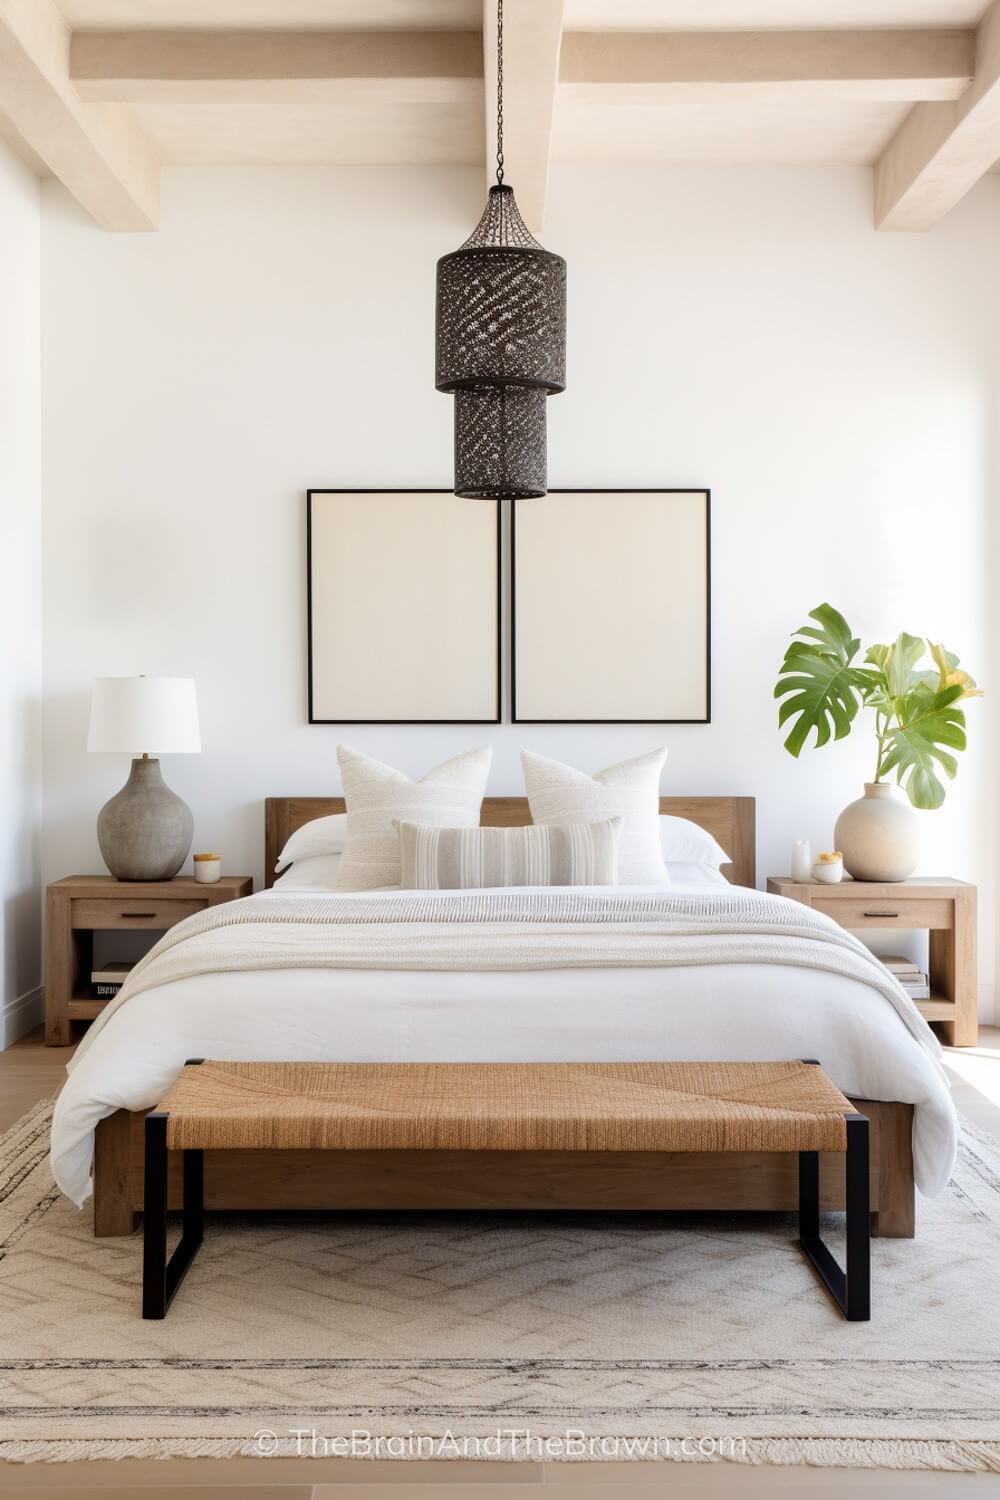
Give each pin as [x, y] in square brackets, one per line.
[801, 860]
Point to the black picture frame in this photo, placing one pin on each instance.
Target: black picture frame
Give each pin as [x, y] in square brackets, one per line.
[643, 490]
[498, 581]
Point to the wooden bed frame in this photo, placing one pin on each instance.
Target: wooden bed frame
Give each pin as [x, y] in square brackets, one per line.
[730, 820]
[496, 1180]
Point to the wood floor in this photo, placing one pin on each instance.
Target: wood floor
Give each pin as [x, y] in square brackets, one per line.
[29, 1071]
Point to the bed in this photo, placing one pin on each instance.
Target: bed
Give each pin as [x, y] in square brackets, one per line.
[874, 1044]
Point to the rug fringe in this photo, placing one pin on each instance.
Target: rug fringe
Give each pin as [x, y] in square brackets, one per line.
[835, 1453]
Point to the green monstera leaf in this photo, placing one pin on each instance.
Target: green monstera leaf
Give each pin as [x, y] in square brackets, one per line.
[821, 687]
[917, 720]
[897, 664]
[930, 725]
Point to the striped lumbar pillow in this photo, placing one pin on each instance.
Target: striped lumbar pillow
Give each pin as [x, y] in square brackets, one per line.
[462, 859]
[378, 795]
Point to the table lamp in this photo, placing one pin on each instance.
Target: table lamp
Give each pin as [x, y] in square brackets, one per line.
[145, 830]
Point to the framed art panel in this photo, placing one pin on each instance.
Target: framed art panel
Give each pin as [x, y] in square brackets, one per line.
[610, 619]
[404, 607]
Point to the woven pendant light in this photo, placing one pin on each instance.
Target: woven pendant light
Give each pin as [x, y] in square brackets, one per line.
[500, 342]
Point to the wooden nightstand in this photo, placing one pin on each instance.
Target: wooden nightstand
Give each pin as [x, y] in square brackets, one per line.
[945, 908]
[81, 905]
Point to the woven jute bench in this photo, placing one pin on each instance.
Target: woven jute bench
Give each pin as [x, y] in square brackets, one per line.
[573, 1107]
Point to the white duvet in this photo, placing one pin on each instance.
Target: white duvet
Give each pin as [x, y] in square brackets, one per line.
[724, 1011]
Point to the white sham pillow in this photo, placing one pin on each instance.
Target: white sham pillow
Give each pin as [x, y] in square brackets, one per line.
[317, 837]
[449, 796]
[697, 877]
[558, 793]
[683, 842]
[316, 873]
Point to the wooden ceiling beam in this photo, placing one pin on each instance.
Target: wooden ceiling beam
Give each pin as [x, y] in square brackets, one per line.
[942, 150]
[695, 67]
[96, 151]
[276, 67]
[531, 45]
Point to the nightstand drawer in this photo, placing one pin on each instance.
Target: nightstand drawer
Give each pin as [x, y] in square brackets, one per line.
[883, 911]
[104, 914]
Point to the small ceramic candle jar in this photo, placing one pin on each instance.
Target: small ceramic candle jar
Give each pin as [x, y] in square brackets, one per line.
[207, 868]
[829, 868]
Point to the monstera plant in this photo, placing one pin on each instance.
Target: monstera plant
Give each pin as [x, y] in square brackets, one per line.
[914, 687]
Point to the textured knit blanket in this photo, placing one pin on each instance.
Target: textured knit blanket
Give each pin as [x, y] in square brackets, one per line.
[508, 930]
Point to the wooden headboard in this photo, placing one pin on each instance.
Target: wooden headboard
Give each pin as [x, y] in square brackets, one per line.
[730, 820]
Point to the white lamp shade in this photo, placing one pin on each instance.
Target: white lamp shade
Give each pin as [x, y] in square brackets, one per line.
[144, 715]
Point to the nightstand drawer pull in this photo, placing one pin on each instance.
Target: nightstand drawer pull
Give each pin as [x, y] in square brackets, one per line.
[881, 913]
[142, 916]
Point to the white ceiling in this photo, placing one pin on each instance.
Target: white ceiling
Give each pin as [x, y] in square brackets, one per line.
[313, 129]
[272, 15]
[817, 132]
[580, 15]
[145, 101]
[774, 15]
[339, 132]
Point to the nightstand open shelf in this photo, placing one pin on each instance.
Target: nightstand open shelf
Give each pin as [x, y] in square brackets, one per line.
[937, 1008]
[81, 905]
[84, 1008]
[944, 908]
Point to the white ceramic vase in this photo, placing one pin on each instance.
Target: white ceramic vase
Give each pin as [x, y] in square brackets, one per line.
[879, 835]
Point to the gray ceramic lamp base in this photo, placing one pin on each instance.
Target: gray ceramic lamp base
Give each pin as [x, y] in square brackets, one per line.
[145, 831]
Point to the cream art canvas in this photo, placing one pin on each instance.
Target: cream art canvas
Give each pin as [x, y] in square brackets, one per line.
[611, 607]
[404, 608]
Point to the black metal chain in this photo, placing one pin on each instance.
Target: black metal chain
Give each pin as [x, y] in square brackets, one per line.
[500, 91]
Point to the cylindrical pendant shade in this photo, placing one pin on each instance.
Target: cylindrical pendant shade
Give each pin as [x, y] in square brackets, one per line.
[500, 443]
[501, 349]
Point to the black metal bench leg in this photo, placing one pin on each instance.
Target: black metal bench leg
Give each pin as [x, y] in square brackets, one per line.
[850, 1289]
[162, 1277]
[809, 1195]
[154, 1219]
[859, 1223]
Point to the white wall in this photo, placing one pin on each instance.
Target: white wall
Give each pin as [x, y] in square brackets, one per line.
[747, 330]
[20, 600]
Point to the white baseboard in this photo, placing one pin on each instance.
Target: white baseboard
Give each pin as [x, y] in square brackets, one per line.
[21, 1015]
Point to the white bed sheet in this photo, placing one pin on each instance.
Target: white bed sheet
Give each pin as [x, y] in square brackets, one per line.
[717, 1012]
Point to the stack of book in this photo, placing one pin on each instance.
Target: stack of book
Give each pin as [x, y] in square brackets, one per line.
[913, 980]
[106, 981]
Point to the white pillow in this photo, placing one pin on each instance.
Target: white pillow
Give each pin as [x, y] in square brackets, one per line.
[683, 842]
[449, 796]
[317, 873]
[697, 877]
[318, 836]
[631, 790]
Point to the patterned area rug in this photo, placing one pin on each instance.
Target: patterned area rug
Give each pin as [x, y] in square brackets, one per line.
[611, 1337]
